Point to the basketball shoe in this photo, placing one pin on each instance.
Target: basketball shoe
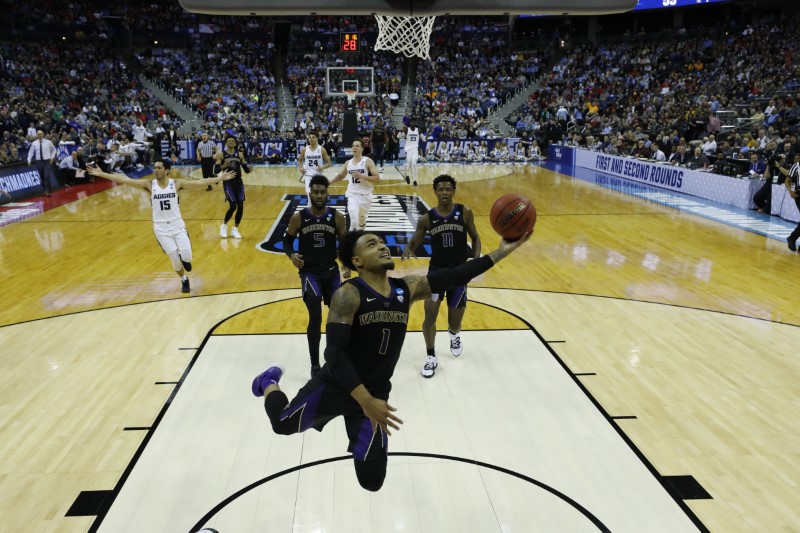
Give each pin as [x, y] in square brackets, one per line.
[270, 376]
[430, 366]
[185, 285]
[223, 230]
[455, 344]
[235, 233]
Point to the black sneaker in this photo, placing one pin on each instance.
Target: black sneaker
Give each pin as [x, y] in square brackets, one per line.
[415, 183]
[792, 245]
[185, 285]
[314, 370]
[209, 188]
[408, 180]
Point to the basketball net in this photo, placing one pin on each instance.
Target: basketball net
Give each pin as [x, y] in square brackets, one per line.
[351, 97]
[410, 36]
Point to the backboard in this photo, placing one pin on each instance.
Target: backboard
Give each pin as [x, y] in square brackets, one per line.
[341, 79]
[408, 7]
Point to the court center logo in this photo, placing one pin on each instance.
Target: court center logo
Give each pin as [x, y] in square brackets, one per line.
[391, 216]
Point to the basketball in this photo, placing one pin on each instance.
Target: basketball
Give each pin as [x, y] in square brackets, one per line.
[512, 216]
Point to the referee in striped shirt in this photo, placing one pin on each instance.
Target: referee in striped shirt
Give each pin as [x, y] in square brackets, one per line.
[792, 184]
[206, 150]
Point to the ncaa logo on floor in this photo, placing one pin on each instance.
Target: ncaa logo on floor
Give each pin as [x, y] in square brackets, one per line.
[391, 216]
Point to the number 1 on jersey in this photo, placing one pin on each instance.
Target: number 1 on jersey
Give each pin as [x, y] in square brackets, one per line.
[384, 342]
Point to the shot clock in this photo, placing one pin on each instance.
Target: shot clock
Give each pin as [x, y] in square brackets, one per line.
[349, 42]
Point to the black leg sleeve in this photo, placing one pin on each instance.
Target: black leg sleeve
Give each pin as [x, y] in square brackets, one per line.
[314, 329]
[239, 213]
[275, 403]
[229, 212]
[441, 280]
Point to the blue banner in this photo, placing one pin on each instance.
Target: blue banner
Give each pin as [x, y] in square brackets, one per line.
[561, 154]
[18, 182]
[187, 150]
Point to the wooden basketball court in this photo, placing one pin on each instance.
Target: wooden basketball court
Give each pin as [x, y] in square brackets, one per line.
[629, 355]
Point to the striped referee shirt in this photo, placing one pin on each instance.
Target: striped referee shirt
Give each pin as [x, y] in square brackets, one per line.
[794, 174]
[206, 149]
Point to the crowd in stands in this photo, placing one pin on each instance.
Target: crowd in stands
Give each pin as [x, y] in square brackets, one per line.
[625, 97]
[472, 70]
[227, 80]
[78, 94]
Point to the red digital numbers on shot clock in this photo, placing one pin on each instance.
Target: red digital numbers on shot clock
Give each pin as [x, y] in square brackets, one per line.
[349, 42]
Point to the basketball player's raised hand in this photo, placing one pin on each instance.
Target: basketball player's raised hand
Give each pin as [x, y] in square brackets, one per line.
[506, 247]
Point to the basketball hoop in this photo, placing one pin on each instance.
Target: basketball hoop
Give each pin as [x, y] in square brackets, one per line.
[351, 96]
[410, 36]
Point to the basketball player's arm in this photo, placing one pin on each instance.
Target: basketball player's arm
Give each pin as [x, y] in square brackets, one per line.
[119, 178]
[372, 172]
[221, 164]
[340, 320]
[340, 176]
[243, 159]
[326, 159]
[288, 240]
[423, 225]
[199, 184]
[469, 218]
[437, 282]
[341, 231]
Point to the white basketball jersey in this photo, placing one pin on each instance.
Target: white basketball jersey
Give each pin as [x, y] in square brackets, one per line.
[165, 203]
[312, 161]
[355, 185]
[412, 139]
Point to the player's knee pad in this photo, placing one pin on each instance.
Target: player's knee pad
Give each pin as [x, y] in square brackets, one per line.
[187, 266]
[175, 259]
[371, 474]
